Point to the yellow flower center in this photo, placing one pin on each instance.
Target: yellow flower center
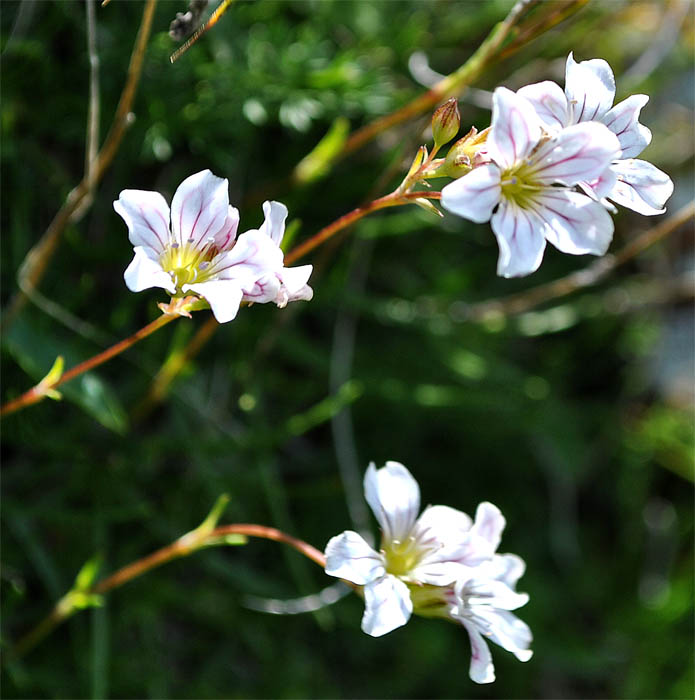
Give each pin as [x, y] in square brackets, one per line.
[188, 263]
[430, 601]
[401, 557]
[518, 185]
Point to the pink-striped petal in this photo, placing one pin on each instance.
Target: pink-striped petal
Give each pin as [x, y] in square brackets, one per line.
[589, 87]
[481, 669]
[146, 215]
[474, 195]
[641, 186]
[577, 153]
[623, 121]
[274, 223]
[521, 243]
[550, 103]
[574, 223]
[144, 272]
[199, 208]
[224, 238]
[515, 129]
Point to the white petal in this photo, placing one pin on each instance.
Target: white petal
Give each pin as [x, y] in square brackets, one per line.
[507, 568]
[446, 532]
[600, 187]
[641, 186]
[515, 128]
[622, 120]
[520, 240]
[224, 297]
[550, 103]
[443, 524]
[394, 497]
[579, 152]
[295, 281]
[224, 238]
[256, 252]
[274, 224]
[144, 273]
[199, 208]
[489, 524]
[487, 592]
[348, 556]
[147, 216]
[589, 87]
[306, 293]
[481, 669]
[387, 606]
[507, 630]
[437, 573]
[474, 195]
[575, 223]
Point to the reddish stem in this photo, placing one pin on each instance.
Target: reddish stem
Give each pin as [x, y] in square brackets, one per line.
[390, 200]
[38, 392]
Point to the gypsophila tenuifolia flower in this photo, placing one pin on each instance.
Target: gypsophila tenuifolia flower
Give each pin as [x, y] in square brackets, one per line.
[526, 191]
[201, 254]
[441, 564]
[588, 96]
[483, 605]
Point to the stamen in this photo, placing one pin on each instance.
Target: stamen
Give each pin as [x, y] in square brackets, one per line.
[174, 245]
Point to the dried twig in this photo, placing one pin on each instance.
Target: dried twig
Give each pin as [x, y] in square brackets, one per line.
[36, 261]
[594, 273]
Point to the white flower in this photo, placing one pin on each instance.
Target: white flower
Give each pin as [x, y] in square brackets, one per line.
[200, 253]
[526, 192]
[482, 604]
[418, 556]
[588, 96]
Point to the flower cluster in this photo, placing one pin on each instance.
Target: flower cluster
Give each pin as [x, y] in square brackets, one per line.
[553, 159]
[201, 254]
[442, 564]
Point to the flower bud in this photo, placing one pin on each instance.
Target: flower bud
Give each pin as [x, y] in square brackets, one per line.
[465, 154]
[445, 122]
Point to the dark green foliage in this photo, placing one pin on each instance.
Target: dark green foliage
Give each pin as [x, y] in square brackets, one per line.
[575, 419]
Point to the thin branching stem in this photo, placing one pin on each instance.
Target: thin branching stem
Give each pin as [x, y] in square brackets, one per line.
[390, 200]
[493, 48]
[590, 275]
[39, 391]
[36, 261]
[172, 367]
[180, 548]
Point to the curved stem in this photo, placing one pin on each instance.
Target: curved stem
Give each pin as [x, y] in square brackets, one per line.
[182, 547]
[171, 368]
[38, 392]
[390, 200]
[36, 260]
[590, 275]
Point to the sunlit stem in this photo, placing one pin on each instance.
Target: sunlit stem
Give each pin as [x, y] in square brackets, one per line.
[197, 539]
[36, 260]
[390, 200]
[41, 390]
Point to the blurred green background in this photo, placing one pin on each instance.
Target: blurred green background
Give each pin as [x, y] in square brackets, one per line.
[575, 418]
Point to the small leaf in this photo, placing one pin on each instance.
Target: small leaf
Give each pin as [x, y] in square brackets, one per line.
[88, 574]
[317, 163]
